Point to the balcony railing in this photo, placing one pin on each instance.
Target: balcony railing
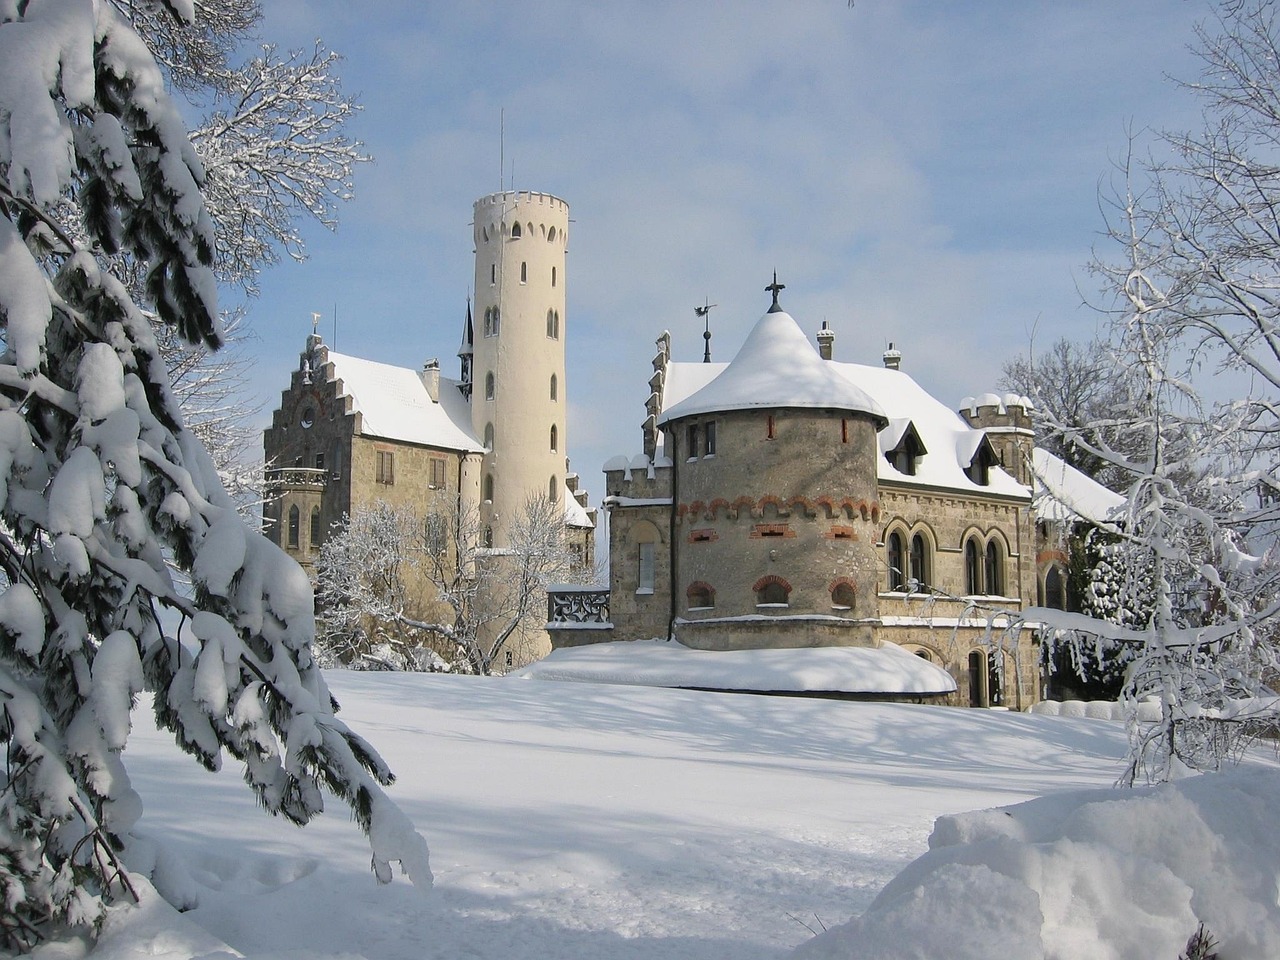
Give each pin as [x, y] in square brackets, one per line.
[578, 605]
[296, 477]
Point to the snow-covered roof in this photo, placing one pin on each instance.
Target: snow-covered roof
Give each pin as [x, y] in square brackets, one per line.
[1063, 493]
[575, 514]
[949, 440]
[776, 367]
[885, 670]
[394, 404]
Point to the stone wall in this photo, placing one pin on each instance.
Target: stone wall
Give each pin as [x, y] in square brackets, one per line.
[781, 518]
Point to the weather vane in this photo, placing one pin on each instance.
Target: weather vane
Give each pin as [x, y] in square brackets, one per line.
[775, 288]
[315, 323]
[704, 312]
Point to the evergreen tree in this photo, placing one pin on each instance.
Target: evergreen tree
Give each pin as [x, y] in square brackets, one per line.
[100, 481]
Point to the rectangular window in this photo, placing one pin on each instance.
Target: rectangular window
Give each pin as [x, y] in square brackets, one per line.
[645, 580]
[319, 461]
[437, 474]
[385, 468]
[709, 439]
[691, 441]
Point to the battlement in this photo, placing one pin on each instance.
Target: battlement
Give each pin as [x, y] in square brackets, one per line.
[510, 198]
[631, 482]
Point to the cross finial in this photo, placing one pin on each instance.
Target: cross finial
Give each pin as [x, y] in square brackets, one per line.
[704, 311]
[775, 288]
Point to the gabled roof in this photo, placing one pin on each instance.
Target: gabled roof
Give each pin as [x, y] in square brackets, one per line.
[394, 403]
[1064, 494]
[777, 367]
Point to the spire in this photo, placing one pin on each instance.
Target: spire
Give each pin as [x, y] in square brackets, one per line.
[468, 332]
[775, 288]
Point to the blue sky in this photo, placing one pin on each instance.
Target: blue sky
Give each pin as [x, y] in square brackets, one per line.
[921, 172]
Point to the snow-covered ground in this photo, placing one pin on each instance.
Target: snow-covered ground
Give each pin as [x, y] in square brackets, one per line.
[582, 820]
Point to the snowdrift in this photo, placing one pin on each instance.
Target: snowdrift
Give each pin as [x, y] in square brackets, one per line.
[1093, 875]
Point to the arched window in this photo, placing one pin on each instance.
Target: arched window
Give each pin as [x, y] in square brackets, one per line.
[897, 563]
[295, 521]
[772, 592]
[316, 534]
[972, 568]
[554, 438]
[488, 436]
[488, 487]
[553, 493]
[1055, 589]
[920, 562]
[977, 679]
[702, 596]
[516, 232]
[524, 272]
[843, 596]
[553, 388]
[551, 323]
[551, 236]
[993, 570]
[553, 269]
[488, 386]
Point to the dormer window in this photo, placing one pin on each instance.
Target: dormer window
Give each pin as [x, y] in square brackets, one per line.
[903, 447]
[978, 469]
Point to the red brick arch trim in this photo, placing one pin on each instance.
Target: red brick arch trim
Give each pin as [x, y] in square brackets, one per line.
[841, 581]
[715, 506]
[700, 586]
[805, 504]
[769, 578]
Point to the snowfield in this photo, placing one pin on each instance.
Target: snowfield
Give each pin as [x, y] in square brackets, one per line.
[582, 820]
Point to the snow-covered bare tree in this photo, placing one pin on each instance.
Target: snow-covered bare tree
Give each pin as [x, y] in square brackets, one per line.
[100, 482]
[1197, 612]
[391, 579]
[1071, 386]
[1208, 234]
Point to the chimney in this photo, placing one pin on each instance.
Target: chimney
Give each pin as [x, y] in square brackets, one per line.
[826, 339]
[892, 358]
[431, 379]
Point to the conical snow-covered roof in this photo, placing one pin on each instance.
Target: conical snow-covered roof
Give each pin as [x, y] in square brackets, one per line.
[777, 367]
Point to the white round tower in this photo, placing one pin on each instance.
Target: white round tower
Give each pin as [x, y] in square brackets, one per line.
[518, 396]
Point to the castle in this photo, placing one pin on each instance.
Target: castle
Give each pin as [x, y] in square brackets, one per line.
[350, 432]
[783, 499]
[786, 499]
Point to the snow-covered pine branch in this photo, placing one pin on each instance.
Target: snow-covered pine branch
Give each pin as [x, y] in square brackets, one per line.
[100, 483]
